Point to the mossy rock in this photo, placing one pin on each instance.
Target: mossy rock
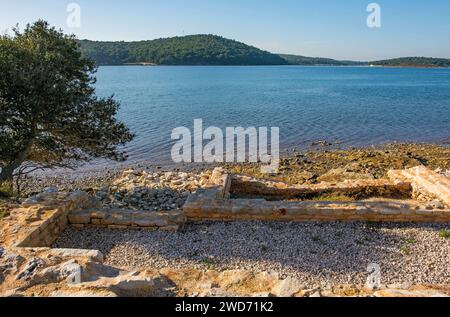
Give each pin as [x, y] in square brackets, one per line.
[367, 163]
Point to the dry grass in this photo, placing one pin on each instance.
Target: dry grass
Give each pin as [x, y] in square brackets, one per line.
[5, 207]
[332, 197]
[445, 234]
[5, 189]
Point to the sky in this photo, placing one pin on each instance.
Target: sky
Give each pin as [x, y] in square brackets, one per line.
[325, 28]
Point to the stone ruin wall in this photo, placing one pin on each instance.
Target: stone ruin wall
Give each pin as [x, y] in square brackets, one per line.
[41, 219]
[44, 217]
[127, 219]
[214, 204]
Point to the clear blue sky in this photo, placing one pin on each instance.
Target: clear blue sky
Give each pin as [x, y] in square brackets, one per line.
[328, 28]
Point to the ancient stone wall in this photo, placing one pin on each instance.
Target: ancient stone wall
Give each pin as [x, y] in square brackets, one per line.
[260, 209]
[128, 219]
[213, 204]
[41, 219]
[44, 217]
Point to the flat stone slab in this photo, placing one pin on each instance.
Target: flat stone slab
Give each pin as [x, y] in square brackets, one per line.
[425, 180]
[74, 253]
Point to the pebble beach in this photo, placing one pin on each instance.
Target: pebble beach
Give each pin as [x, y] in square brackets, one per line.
[314, 253]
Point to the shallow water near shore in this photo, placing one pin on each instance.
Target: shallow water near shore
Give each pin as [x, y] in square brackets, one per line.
[352, 106]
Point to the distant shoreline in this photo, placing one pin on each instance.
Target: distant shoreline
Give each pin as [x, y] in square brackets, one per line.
[406, 66]
[251, 65]
[213, 50]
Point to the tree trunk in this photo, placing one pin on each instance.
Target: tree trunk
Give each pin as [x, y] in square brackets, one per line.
[7, 172]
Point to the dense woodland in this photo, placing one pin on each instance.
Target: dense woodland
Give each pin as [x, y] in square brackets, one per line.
[188, 50]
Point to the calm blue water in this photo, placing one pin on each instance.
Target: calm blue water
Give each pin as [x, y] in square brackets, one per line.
[355, 105]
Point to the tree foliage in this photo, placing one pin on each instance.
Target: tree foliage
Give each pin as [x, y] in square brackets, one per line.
[187, 50]
[49, 113]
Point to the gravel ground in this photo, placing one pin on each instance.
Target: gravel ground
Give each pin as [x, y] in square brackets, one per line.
[315, 253]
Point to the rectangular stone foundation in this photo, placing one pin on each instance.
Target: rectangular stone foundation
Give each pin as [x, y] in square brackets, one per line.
[393, 202]
[42, 219]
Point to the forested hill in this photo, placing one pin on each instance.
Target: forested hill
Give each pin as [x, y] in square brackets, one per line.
[187, 50]
[414, 62]
[303, 60]
[216, 50]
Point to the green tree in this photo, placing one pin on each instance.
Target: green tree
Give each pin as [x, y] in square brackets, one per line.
[49, 113]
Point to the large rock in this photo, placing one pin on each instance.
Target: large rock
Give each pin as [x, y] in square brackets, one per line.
[135, 284]
[31, 269]
[84, 294]
[82, 200]
[426, 181]
[93, 255]
[218, 176]
[288, 288]
[57, 273]
[9, 263]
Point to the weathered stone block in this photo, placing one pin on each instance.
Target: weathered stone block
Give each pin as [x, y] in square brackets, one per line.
[80, 217]
[172, 228]
[78, 253]
[117, 227]
[120, 218]
[97, 222]
[390, 212]
[177, 217]
[150, 219]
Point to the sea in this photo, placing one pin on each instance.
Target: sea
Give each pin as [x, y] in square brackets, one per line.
[343, 106]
